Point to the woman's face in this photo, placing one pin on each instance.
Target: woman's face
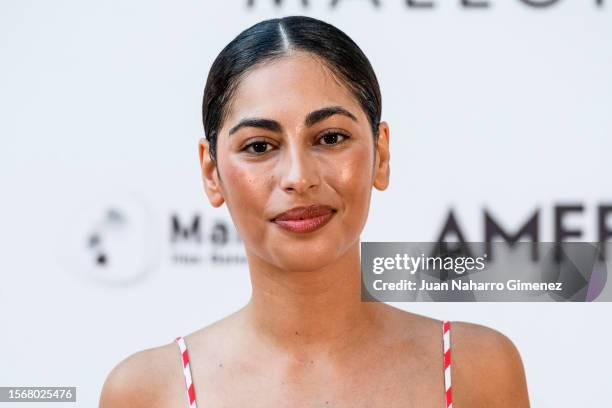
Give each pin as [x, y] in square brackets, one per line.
[294, 136]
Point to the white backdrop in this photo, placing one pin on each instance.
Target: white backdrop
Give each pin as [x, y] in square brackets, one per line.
[506, 108]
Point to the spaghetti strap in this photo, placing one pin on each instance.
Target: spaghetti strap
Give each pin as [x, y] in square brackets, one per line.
[447, 367]
[447, 363]
[187, 372]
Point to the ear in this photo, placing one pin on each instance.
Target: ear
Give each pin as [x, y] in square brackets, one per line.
[381, 166]
[210, 175]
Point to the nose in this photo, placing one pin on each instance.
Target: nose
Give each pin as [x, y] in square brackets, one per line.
[299, 171]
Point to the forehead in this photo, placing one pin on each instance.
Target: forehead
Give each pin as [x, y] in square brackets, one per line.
[290, 87]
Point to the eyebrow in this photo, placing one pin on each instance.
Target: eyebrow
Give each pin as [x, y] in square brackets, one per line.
[312, 118]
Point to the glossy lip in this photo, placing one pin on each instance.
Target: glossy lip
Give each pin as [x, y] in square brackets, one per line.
[305, 218]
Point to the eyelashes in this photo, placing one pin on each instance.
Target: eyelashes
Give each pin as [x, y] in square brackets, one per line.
[257, 143]
[330, 138]
[333, 135]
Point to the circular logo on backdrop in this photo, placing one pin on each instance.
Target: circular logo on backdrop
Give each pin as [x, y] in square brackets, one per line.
[112, 239]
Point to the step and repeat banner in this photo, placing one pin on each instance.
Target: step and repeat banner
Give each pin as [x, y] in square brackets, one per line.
[500, 115]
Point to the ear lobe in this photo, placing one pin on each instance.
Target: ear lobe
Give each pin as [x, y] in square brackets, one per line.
[210, 175]
[382, 168]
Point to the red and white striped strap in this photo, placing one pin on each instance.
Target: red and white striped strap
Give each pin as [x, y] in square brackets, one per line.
[447, 363]
[187, 373]
[447, 367]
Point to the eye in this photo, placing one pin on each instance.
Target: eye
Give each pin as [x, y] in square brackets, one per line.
[257, 148]
[333, 138]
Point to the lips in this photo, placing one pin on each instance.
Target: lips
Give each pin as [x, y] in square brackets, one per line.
[305, 219]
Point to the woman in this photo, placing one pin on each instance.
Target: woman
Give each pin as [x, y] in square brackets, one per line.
[294, 144]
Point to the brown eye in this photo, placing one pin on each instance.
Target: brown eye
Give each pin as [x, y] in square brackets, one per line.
[257, 148]
[333, 138]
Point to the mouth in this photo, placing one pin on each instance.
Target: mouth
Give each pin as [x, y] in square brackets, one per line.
[305, 219]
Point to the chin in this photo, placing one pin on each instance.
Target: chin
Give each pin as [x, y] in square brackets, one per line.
[302, 257]
[303, 265]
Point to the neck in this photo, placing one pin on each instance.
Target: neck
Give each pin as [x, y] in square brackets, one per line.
[309, 311]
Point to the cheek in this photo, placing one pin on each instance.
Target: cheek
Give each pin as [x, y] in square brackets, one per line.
[246, 190]
[242, 180]
[354, 174]
[353, 182]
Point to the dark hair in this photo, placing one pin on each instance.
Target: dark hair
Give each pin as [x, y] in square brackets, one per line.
[275, 38]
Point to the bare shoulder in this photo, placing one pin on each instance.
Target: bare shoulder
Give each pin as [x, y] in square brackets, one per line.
[148, 378]
[154, 377]
[486, 368]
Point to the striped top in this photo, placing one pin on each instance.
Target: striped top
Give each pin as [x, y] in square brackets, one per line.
[190, 391]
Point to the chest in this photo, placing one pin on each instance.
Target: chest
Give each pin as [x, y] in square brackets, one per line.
[392, 382]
